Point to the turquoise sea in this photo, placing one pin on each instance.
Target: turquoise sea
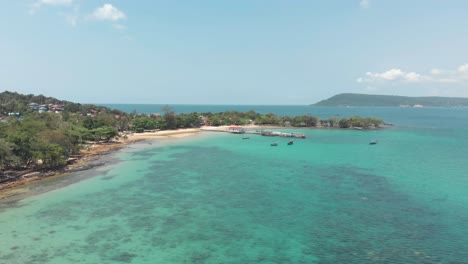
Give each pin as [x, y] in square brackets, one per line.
[215, 198]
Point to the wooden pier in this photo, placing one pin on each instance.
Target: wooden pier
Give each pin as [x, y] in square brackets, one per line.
[256, 132]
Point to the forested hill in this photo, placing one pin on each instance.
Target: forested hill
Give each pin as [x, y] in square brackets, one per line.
[15, 102]
[350, 99]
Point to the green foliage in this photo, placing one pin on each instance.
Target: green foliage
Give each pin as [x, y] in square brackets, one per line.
[100, 134]
[49, 155]
[101, 120]
[7, 157]
[304, 121]
[15, 102]
[170, 121]
[143, 123]
[344, 123]
[43, 142]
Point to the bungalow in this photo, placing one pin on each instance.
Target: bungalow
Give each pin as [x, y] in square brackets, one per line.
[203, 121]
[34, 106]
[56, 108]
[91, 113]
[43, 108]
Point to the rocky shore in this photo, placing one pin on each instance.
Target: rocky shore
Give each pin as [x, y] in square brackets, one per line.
[89, 158]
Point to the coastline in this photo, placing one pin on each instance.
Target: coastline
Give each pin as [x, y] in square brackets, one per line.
[89, 158]
[93, 155]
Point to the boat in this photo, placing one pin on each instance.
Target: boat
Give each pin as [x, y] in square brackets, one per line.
[373, 142]
[290, 142]
[267, 134]
[274, 144]
[246, 138]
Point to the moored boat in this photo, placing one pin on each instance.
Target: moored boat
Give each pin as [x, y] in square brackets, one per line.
[373, 142]
[267, 134]
[274, 144]
[290, 142]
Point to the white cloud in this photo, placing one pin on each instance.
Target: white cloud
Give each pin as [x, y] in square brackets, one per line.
[364, 3]
[108, 12]
[463, 68]
[393, 75]
[389, 75]
[413, 77]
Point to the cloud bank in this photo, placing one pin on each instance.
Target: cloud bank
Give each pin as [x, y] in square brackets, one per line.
[73, 16]
[434, 76]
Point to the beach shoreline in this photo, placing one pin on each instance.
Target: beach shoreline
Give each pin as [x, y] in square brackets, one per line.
[91, 156]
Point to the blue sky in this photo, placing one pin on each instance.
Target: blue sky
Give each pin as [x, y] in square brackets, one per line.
[232, 52]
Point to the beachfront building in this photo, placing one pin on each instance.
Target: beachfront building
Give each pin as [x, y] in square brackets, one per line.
[43, 108]
[34, 106]
[56, 108]
[203, 121]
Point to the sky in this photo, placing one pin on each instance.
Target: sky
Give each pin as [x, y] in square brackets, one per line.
[238, 52]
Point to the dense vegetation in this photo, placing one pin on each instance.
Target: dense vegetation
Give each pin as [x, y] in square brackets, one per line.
[33, 140]
[350, 99]
[15, 102]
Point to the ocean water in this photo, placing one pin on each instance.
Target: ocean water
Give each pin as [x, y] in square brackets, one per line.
[215, 198]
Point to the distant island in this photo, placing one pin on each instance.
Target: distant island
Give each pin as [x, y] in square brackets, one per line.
[352, 99]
